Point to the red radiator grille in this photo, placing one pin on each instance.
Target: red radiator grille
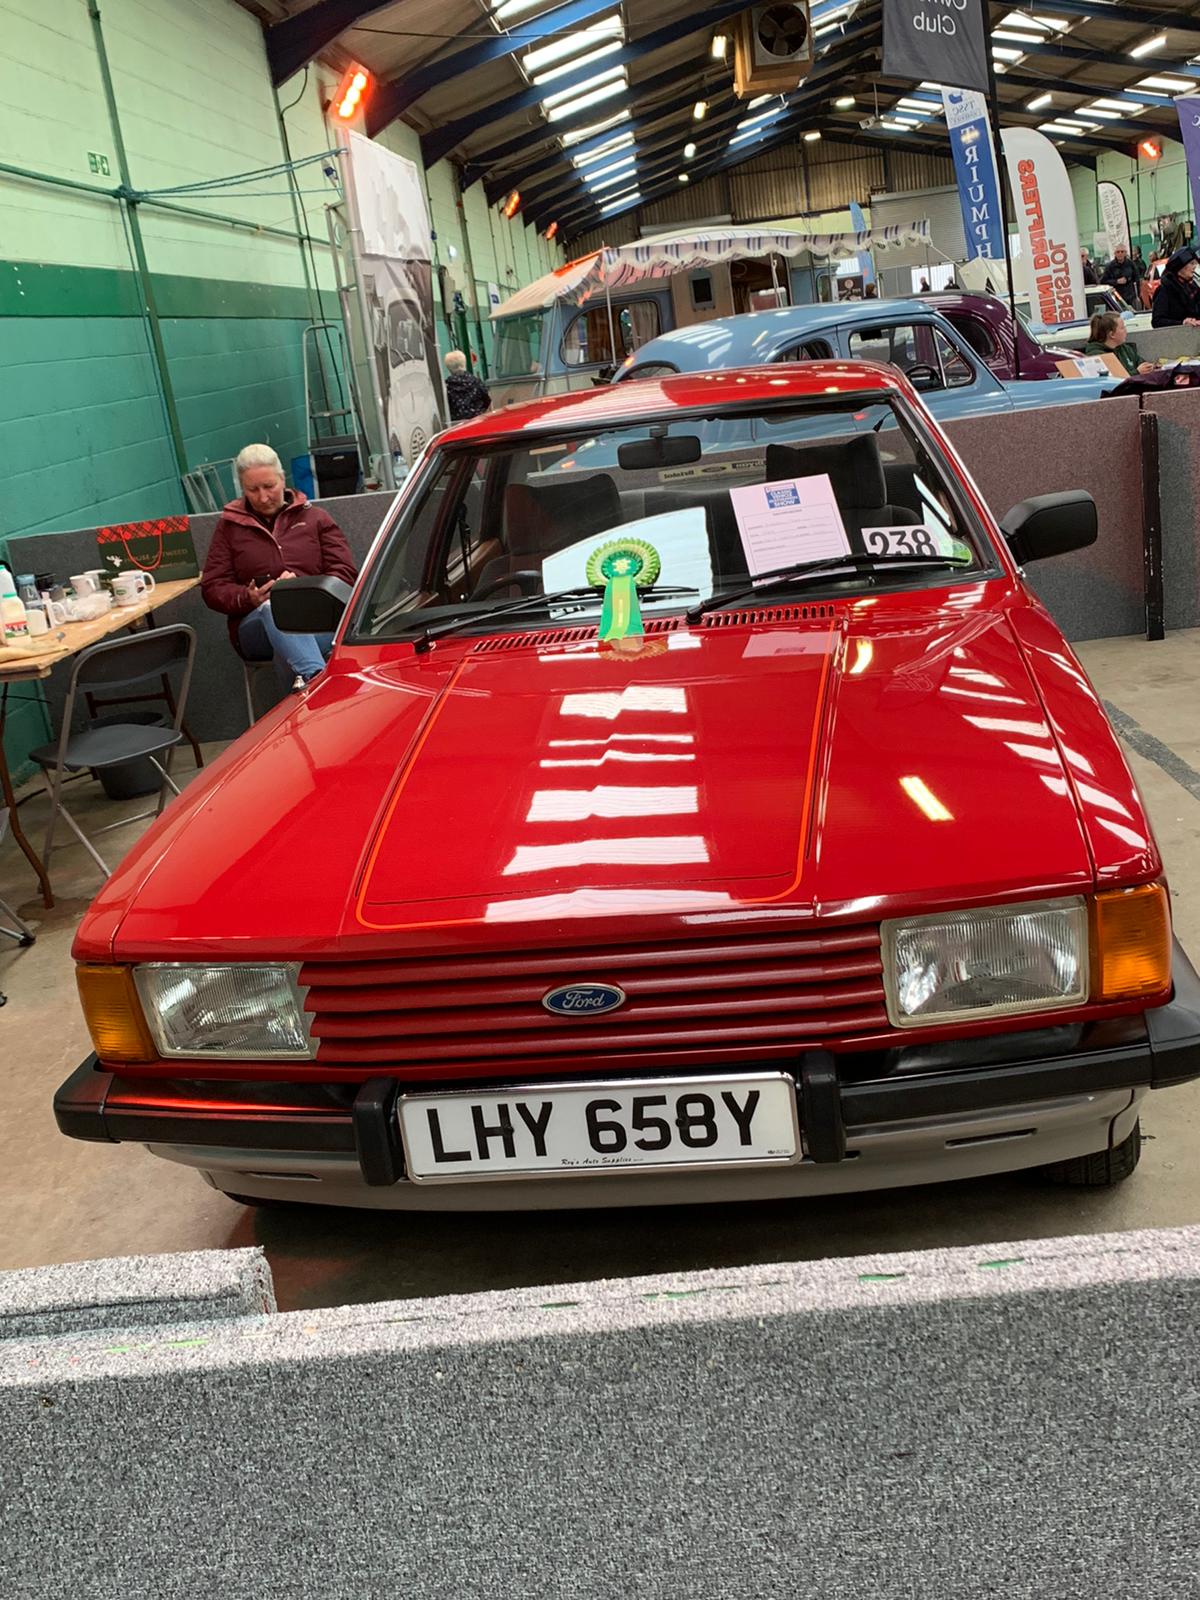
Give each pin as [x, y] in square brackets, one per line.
[765, 996]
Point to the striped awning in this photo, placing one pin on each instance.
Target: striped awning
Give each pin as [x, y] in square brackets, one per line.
[618, 266]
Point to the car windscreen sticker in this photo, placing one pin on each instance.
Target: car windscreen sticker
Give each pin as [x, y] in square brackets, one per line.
[679, 537]
[783, 524]
[623, 566]
[914, 541]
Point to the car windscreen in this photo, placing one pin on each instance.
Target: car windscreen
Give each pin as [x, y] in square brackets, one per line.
[517, 352]
[702, 505]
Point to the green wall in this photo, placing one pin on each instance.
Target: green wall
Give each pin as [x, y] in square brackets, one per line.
[84, 430]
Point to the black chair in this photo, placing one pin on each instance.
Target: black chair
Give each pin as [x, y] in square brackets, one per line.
[119, 664]
[855, 470]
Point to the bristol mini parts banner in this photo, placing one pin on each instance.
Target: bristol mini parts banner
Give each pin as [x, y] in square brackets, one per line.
[1049, 262]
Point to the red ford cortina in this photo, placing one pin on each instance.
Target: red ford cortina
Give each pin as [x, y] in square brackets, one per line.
[696, 806]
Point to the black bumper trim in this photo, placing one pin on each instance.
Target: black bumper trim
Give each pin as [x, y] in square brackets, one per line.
[1164, 1049]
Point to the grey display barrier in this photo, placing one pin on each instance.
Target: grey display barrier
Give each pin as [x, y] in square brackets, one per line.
[1095, 593]
[1167, 344]
[1178, 416]
[217, 704]
[1015, 1419]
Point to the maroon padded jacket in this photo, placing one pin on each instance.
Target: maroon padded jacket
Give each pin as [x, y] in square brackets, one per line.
[305, 540]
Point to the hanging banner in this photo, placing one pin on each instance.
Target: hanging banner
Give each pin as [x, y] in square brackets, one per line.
[1189, 126]
[935, 41]
[975, 169]
[397, 272]
[1114, 213]
[858, 222]
[1049, 263]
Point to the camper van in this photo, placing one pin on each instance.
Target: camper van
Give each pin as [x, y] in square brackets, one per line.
[572, 328]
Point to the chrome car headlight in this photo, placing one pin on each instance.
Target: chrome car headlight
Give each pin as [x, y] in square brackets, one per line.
[238, 1012]
[967, 965]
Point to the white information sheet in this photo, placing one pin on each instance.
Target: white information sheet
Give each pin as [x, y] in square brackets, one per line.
[784, 523]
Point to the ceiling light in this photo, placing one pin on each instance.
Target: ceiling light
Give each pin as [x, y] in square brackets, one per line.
[568, 108]
[1003, 53]
[1013, 37]
[608, 148]
[609, 75]
[610, 28]
[1155, 42]
[609, 167]
[510, 8]
[1109, 116]
[844, 102]
[578, 62]
[683, 177]
[1127, 105]
[1150, 148]
[700, 110]
[628, 174]
[720, 45]
[812, 136]
[689, 150]
[1164, 82]
[1038, 102]
[629, 198]
[579, 135]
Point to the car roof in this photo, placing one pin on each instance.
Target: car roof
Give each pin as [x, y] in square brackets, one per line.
[750, 325]
[684, 391]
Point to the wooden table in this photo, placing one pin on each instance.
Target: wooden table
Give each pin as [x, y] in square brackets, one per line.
[37, 658]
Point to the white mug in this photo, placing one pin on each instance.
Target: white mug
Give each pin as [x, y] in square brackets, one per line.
[85, 583]
[59, 611]
[36, 621]
[129, 587]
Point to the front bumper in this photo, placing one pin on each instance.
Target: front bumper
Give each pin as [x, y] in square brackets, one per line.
[924, 1121]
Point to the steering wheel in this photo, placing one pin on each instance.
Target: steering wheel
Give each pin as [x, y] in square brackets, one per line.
[922, 375]
[527, 581]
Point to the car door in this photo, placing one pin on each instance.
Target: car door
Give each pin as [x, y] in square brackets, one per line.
[951, 380]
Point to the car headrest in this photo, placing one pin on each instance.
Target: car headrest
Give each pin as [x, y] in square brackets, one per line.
[549, 516]
[853, 465]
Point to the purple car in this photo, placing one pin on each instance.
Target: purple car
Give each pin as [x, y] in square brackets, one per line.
[985, 323]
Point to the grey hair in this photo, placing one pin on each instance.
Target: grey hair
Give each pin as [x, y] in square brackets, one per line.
[455, 361]
[256, 455]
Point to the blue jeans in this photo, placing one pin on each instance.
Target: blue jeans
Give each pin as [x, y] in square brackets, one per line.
[296, 655]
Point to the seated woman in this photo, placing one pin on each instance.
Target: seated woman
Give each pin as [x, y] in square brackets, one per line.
[1177, 299]
[1109, 337]
[271, 532]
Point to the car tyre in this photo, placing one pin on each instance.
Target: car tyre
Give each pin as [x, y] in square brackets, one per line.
[1102, 1170]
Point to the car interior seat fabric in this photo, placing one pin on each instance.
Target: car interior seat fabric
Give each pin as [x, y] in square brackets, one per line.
[540, 519]
[855, 470]
[724, 538]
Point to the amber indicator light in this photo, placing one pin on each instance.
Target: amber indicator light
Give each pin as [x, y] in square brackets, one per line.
[114, 1014]
[1132, 943]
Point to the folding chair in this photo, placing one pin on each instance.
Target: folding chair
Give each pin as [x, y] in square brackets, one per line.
[250, 672]
[116, 664]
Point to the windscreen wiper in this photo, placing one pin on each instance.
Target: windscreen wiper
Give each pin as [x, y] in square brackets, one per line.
[805, 571]
[531, 602]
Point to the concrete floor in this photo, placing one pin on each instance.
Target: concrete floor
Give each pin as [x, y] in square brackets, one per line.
[62, 1200]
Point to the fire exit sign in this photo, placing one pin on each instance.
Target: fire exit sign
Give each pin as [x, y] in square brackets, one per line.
[98, 163]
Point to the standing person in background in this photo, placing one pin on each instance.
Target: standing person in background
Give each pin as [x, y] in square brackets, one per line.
[271, 532]
[1090, 275]
[1122, 274]
[1177, 300]
[466, 395]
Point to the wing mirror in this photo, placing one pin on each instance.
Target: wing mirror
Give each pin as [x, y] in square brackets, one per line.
[1050, 525]
[309, 605]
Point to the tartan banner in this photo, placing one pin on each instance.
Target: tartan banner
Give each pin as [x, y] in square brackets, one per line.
[162, 546]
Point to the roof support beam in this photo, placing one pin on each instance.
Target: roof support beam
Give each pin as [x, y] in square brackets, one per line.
[1137, 16]
[292, 43]
[439, 143]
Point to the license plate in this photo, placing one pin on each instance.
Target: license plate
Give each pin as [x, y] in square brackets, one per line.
[546, 1130]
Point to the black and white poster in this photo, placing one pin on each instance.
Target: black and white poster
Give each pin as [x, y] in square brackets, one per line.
[936, 41]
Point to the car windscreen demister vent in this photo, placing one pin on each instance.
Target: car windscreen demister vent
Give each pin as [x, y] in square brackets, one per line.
[548, 638]
[739, 619]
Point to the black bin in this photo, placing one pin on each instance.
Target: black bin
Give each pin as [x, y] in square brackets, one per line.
[336, 466]
[137, 777]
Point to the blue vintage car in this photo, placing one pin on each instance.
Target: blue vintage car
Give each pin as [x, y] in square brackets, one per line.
[953, 380]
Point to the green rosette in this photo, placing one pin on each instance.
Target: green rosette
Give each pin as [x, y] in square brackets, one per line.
[623, 566]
